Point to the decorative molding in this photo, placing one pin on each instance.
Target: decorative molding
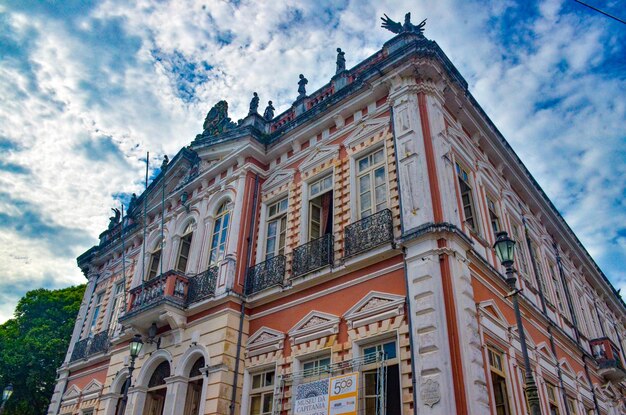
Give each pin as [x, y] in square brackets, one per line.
[277, 178]
[265, 340]
[71, 395]
[318, 156]
[366, 129]
[375, 306]
[93, 390]
[491, 310]
[314, 325]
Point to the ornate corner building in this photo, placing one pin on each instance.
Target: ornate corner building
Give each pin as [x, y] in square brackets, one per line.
[349, 237]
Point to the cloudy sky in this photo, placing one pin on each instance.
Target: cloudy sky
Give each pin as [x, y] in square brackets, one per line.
[88, 87]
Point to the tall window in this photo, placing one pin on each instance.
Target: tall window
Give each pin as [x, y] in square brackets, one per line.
[571, 406]
[540, 277]
[498, 382]
[316, 366]
[157, 390]
[557, 288]
[493, 215]
[371, 381]
[320, 207]
[262, 393]
[220, 233]
[185, 248]
[520, 251]
[96, 312]
[552, 399]
[194, 388]
[118, 298]
[276, 229]
[372, 183]
[155, 260]
[466, 197]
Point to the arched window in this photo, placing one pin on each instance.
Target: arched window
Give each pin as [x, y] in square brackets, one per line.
[157, 390]
[194, 388]
[185, 248]
[155, 260]
[220, 234]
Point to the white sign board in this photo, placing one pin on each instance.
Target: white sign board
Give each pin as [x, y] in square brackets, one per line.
[312, 398]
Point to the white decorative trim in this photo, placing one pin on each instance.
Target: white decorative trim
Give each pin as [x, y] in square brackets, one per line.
[318, 156]
[93, 390]
[71, 395]
[265, 340]
[277, 178]
[499, 315]
[374, 307]
[314, 326]
[365, 130]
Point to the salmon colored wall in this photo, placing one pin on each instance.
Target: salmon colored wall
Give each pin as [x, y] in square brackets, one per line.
[83, 381]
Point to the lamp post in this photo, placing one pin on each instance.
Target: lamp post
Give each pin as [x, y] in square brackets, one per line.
[6, 394]
[504, 248]
[135, 347]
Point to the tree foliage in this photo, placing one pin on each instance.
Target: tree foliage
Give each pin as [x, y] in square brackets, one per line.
[33, 346]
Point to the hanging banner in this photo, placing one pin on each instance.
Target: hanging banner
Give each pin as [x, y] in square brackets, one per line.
[312, 398]
[344, 394]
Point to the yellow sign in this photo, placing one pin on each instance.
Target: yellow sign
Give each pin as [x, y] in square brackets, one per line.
[344, 394]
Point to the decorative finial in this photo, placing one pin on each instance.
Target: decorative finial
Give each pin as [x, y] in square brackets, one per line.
[302, 86]
[341, 61]
[407, 27]
[269, 111]
[254, 104]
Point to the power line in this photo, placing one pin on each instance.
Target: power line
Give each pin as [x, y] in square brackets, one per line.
[600, 11]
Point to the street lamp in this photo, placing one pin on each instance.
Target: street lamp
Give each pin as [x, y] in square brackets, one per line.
[135, 347]
[6, 394]
[504, 248]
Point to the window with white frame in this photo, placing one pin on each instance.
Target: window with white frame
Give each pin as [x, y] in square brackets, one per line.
[371, 382]
[498, 381]
[467, 200]
[118, 299]
[493, 215]
[571, 406]
[371, 183]
[315, 366]
[276, 229]
[553, 403]
[155, 261]
[185, 248]
[520, 252]
[557, 288]
[262, 393]
[320, 207]
[220, 234]
[540, 277]
[96, 311]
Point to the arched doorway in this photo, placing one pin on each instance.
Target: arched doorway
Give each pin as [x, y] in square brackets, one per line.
[194, 388]
[157, 390]
[120, 407]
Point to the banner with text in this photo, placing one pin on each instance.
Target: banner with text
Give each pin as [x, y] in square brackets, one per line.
[344, 394]
[312, 398]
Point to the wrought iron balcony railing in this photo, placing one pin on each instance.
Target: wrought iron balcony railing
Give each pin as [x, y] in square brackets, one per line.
[607, 355]
[91, 346]
[171, 286]
[266, 274]
[202, 285]
[368, 233]
[313, 255]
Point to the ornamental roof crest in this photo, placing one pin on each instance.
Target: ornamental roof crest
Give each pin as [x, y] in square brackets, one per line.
[217, 121]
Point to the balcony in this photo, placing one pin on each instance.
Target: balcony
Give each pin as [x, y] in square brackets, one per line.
[368, 233]
[90, 346]
[266, 274]
[313, 255]
[608, 358]
[201, 286]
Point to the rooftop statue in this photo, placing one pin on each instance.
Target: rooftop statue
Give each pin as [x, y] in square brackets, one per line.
[254, 104]
[166, 161]
[407, 27]
[302, 86]
[115, 219]
[341, 61]
[132, 203]
[269, 111]
[217, 120]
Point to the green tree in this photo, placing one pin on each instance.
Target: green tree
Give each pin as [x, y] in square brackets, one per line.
[33, 346]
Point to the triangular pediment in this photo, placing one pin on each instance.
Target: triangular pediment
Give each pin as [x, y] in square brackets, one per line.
[544, 351]
[93, 388]
[319, 155]
[314, 325]
[567, 368]
[491, 310]
[71, 393]
[278, 178]
[365, 129]
[265, 340]
[375, 306]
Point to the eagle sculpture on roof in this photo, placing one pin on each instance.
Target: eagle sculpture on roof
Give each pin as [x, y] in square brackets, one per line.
[407, 27]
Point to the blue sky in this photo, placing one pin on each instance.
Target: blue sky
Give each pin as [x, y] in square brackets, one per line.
[88, 87]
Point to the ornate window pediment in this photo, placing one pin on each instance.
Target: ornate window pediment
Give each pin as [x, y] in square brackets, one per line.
[265, 340]
[491, 310]
[276, 179]
[374, 307]
[314, 326]
[92, 390]
[71, 394]
[318, 156]
[365, 130]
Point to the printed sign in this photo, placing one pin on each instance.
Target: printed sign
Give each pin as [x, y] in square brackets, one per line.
[312, 398]
[344, 394]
